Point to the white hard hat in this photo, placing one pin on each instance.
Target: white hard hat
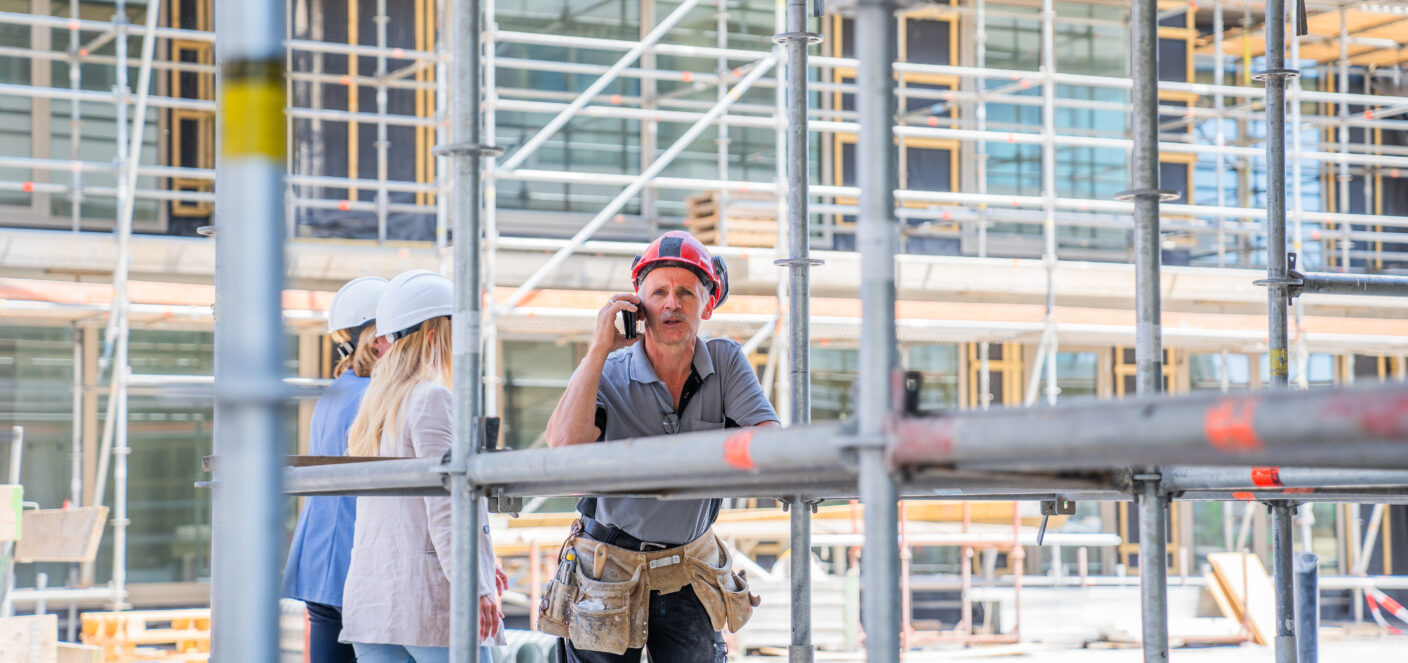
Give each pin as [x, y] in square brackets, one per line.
[355, 303]
[412, 298]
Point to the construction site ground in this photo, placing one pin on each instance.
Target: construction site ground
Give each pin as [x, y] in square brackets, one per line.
[1385, 648]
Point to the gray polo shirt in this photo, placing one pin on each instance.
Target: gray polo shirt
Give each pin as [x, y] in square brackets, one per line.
[637, 404]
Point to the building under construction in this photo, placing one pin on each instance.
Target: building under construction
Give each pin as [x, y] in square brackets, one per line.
[966, 231]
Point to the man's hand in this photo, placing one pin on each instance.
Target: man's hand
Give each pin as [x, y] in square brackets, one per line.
[489, 617]
[608, 339]
[500, 579]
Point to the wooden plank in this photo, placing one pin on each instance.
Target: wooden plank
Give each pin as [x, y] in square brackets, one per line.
[1249, 590]
[761, 209]
[751, 224]
[32, 639]
[71, 653]
[739, 238]
[1225, 605]
[11, 504]
[743, 204]
[62, 535]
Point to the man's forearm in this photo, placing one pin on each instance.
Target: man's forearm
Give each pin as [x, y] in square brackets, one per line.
[573, 421]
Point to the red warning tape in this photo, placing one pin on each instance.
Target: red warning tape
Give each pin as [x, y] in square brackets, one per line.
[1230, 425]
[1375, 598]
[737, 451]
[1266, 477]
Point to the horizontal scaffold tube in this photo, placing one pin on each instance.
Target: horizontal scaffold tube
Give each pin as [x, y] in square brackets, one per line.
[1354, 427]
[1267, 477]
[1301, 495]
[1384, 285]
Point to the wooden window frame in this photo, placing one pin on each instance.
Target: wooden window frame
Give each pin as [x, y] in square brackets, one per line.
[204, 120]
[1010, 366]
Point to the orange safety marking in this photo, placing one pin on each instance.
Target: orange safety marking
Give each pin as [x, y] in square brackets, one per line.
[1244, 496]
[1266, 477]
[1230, 425]
[737, 451]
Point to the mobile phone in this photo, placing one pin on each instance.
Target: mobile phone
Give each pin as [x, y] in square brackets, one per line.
[628, 323]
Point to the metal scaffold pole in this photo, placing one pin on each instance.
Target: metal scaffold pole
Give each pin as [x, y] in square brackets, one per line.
[1307, 607]
[1048, 192]
[1283, 577]
[1148, 348]
[795, 40]
[466, 198]
[1153, 568]
[1277, 277]
[251, 431]
[876, 175]
[1278, 283]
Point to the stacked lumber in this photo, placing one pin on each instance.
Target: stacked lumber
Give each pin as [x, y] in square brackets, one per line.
[29, 639]
[1242, 589]
[748, 219]
[71, 653]
[168, 636]
[62, 535]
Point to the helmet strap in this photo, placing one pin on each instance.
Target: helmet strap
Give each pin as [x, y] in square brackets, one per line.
[345, 349]
[396, 336]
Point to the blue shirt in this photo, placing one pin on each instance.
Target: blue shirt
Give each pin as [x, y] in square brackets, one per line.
[322, 543]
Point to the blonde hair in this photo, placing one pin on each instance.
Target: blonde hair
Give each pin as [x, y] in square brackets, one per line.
[411, 360]
[363, 358]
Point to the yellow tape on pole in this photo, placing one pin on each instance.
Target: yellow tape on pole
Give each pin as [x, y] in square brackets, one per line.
[251, 113]
[1278, 361]
[1246, 58]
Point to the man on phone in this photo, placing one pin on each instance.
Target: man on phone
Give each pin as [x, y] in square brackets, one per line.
[664, 381]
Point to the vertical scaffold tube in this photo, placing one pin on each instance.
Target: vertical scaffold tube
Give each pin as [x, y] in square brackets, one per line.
[875, 49]
[795, 40]
[466, 197]
[1148, 349]
[1276, 268]
[1277, 303]
[1282, 564]
[249, 334]
[1307, 607]
[1153, 570]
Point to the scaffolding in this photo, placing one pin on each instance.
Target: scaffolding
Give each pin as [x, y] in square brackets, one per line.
[896, 452]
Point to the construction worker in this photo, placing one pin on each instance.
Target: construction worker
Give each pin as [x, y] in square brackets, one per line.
[667, 380]
[322, 542]
[396, 605]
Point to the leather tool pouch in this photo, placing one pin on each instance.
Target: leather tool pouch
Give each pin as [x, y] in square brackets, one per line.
[723, 592]
[555, 609]
[608, 616]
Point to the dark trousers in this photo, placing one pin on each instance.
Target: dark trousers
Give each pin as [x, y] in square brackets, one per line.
[324, 624]
[680, 632]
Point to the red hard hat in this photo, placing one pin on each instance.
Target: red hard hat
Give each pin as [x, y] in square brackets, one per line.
[678, 248]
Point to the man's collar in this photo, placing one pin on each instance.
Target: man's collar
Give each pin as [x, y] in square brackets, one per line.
[641, 369]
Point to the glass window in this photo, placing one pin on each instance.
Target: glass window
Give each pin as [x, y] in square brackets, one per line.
[834, 374]
[1077, 374]
[535, 375]
[1207, 371]
[36, 392]
[939, 366]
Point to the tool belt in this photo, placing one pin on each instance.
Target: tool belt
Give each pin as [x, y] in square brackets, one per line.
[599, 599]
